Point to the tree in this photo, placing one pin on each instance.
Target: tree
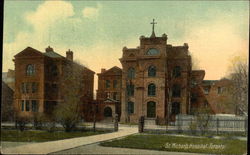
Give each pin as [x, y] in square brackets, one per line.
[68, 112]
[239, 77]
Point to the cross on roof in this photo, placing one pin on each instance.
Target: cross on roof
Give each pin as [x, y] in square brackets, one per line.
[153, 29]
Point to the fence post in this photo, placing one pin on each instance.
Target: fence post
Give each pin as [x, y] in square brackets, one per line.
[217, 126]
[141, 124]
[116, 123]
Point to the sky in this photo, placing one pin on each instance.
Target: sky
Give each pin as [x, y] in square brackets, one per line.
[96, 31]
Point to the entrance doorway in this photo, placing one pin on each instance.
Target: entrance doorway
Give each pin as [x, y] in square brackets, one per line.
[107, 112]
[151, 108]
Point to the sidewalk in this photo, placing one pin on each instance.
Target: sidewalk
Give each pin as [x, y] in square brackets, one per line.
[55, 146]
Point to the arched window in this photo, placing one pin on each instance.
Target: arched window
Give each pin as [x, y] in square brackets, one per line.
[176, 90]
[30, 70]
[130, 89]
[107, 84]
[131, 73]
[130, 107]
[151, 89]
[151, 71]
[152, 51]
[107, 112]
[177, 71]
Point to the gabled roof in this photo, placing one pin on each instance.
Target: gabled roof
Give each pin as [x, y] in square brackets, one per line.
[115, 68]
[110, 100]
[27, 51]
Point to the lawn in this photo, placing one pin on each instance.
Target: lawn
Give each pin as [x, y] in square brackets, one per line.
[180, 144]
[42, 136]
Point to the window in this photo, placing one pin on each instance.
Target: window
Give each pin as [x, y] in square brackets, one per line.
[115, 95]
[130, 90]
[177, 71]
[176, 90]
[34, 87]
[175, 108]
[27, 105]
[206, 90]
[151, 71]
[151, 89]
[53, 70]
[219, 91]
[130, 107]
[25, 87]
[22, 105]
[34, 106]
[115, 84]
[107, 84]
[131, 73]
[30, 70]
[54, 88]
[152, 51]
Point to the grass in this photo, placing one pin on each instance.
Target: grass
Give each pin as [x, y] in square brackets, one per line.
[179, 144]
[42, 136]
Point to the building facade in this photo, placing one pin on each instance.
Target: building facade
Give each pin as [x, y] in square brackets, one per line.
[156, 80]
[109, 93]
[38, 76]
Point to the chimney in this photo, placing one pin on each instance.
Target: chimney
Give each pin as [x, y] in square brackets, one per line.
[49, 49]
[103, 70]
[69, 55]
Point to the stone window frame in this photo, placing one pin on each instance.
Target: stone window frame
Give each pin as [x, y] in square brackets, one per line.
[30, 70]
[151, 89]
[131, 73]
[130, 89]
[152, 71]
[131, 107]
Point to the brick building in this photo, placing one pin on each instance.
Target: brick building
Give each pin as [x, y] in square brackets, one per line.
[156, 80]
[109, 92]
[37, 76]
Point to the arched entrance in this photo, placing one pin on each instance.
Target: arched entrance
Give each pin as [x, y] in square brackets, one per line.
[107, 112]
[151, 109]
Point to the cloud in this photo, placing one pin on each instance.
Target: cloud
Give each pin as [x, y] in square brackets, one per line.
[42, 19]
[91, 12]
[213, 43]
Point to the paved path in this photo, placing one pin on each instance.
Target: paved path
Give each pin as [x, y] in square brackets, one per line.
[55, 146]
[97, 149]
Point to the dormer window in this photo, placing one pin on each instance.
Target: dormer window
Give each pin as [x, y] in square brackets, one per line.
[152, 51]
[30, 70]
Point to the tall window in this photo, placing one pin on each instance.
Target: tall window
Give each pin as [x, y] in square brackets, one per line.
[130, 90]
[25, 87]
[175, 108]
[151, 71]
[53, 70]
[107, 84]
[27, 105]
[34, 87]
[34, 106]
[219, 90]
[131, 73]
[22, 105]
[151, 89]
[177, 71]
[130, 107]
[115, 95]
[176, 90]
[115, 84]
[30, 70]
